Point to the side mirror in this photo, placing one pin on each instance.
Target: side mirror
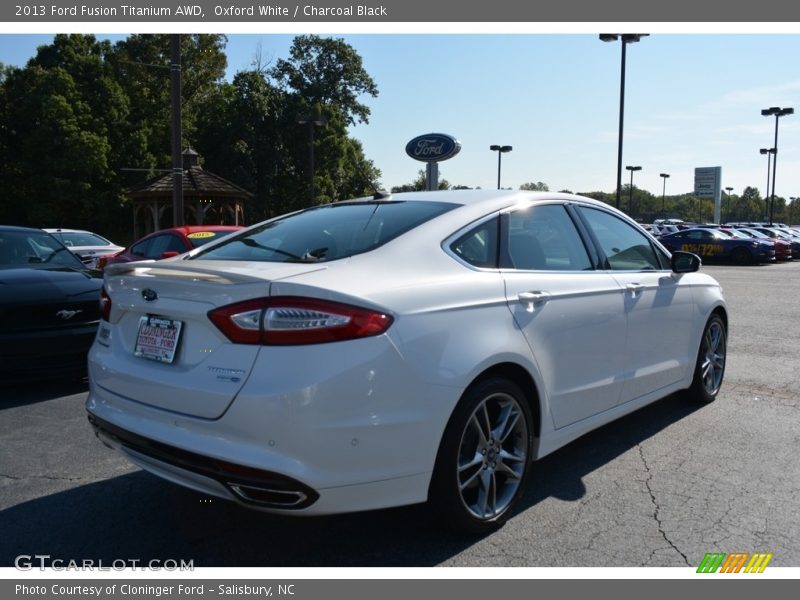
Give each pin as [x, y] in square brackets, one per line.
[685, 262]
[169, 254]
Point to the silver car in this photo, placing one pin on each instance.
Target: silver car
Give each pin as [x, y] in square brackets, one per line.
[86, 245]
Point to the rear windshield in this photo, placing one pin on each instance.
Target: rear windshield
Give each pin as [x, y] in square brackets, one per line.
[80, 238]
[326, 233]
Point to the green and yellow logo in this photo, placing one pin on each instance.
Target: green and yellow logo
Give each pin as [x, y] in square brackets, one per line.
[734, 563]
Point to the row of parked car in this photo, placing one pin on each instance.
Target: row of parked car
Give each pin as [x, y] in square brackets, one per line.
[50, 292]
[739, 243]
[96, 252]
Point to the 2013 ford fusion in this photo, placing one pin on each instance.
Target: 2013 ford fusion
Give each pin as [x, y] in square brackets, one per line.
[384, 352]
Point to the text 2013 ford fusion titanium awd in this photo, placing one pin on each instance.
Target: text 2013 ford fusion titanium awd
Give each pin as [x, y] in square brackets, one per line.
[377, 353]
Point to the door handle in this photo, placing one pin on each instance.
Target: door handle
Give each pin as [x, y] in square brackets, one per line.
[634, 288]
[530, 299]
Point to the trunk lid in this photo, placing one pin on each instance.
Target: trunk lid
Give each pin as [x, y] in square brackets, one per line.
[207, 370]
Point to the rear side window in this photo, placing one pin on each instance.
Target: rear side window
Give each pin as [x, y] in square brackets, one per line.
[478, 246]
[543, 238]
[326, 233]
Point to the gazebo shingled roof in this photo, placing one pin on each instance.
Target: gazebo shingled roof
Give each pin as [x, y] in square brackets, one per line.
[208, 198]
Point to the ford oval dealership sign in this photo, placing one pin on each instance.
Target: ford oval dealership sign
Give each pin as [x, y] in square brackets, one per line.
[433, 147]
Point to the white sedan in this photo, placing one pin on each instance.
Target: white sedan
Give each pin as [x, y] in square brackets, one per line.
[383, 352]
[86, 245]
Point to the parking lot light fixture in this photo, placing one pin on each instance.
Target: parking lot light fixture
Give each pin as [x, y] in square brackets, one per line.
[664, 176]
[500, 150]
[729, 190]
[625, 38]
[778, 112]
[769, 152]
[630, 199]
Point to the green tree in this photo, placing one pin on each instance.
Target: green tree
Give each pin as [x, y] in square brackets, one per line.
[240, 137]
[64, 116]
[419, 184]
[250, 131]
[535, 187]
[327, 72]
[750, 206]
[141, 65]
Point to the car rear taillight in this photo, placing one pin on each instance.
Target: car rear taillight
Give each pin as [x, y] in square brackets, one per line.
[105, 304]
[288, 320]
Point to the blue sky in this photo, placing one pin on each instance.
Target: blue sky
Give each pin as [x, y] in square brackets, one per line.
[692, 100]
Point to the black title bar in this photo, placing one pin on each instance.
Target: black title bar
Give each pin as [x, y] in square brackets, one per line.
[399, 11]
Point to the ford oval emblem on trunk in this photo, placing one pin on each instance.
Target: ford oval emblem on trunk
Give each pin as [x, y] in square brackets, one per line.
[433, 147]
[149, 295]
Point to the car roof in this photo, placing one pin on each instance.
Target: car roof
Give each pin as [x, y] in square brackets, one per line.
[19, 229]
[482, 202]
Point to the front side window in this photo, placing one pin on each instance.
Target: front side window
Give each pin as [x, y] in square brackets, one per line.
[544, 238]
[326, 233]
[625, 247]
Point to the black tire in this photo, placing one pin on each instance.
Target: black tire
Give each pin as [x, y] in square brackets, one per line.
[742, 256]
[709, 368]
[484, 457]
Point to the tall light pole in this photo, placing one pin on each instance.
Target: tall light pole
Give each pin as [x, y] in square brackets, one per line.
[729, 190]
[313, 121]
[177, 136]
[769, 152]
[625, 38]
[778, 112]
[500, 150]
[630, 200]
[663, 193]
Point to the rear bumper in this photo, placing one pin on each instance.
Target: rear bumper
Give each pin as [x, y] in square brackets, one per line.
[259, 492]
[257, 487]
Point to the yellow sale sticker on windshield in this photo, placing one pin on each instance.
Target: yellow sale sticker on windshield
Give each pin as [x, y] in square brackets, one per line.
[200, 235]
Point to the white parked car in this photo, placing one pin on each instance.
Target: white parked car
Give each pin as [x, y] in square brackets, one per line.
[376, 353]
[86, 245]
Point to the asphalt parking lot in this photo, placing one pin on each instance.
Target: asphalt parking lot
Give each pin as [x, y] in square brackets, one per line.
[660, 487]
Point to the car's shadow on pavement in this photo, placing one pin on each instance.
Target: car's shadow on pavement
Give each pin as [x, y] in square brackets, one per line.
[13, 395]
[560, 475]
[138, 516]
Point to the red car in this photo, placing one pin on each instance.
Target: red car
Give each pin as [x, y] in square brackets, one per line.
[167, 243]
[783, 248]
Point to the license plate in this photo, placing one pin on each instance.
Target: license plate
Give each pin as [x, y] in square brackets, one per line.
[157, 338]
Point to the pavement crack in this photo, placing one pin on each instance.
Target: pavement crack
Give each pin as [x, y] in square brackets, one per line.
[657, 508]
[47, 477]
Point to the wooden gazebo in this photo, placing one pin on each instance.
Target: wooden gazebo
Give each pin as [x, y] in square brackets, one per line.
[207, 199]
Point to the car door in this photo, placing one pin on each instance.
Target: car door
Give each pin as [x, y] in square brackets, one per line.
[658, 304]
[571, 314]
